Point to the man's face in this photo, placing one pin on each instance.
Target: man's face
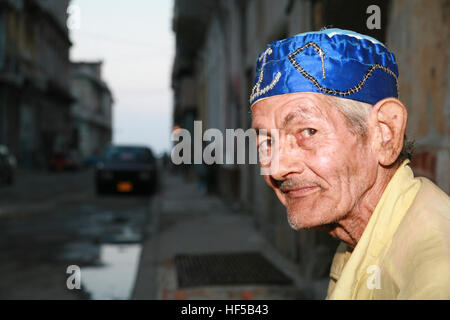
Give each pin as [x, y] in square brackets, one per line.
[323, 169]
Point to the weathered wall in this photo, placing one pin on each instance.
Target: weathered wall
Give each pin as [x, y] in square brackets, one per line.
[419, 33]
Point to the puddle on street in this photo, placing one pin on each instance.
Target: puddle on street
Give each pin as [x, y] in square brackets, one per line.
[114, 278]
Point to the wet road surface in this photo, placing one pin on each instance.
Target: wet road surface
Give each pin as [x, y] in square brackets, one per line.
[51, 221]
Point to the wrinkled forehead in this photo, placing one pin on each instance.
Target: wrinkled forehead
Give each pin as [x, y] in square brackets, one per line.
[277, 111]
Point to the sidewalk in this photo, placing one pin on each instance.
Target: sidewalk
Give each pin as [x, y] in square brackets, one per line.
[184, 221]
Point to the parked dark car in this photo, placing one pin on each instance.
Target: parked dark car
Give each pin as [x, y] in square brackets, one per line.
[7, 166]
[126, 169]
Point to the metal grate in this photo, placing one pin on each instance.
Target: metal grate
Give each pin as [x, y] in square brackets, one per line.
[227, 269]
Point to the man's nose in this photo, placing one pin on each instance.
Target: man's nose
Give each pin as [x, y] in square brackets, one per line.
[287, 161]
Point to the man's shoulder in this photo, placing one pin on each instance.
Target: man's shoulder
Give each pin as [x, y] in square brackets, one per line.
[419, 255]
[427, 218]
[431, 201]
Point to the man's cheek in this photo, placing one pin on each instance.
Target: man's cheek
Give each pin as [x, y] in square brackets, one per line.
[326, 161]
[330, 159]
[325, 164]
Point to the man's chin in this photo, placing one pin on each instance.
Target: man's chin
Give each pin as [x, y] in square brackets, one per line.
[299, 221]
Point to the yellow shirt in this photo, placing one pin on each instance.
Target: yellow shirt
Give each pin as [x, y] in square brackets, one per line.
[404, 251]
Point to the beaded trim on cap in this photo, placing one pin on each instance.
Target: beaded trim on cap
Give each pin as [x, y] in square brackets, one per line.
[257, 91]
[314, 81]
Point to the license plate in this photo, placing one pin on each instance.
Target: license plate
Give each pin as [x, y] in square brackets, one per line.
[124, 186]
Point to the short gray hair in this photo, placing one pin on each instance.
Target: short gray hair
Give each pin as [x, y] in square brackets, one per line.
[356, 114]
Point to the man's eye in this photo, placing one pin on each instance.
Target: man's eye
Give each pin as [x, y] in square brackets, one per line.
[308, 132]
[265, 145]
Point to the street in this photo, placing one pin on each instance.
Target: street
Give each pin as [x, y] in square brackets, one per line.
[199, 246]
[180, 243]
[49, 221]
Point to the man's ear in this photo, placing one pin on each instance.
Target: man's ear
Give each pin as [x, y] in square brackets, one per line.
[388, 121]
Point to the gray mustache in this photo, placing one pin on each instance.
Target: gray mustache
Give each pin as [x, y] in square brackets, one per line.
[288, 185]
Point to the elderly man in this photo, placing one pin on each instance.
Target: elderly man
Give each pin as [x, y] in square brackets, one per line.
[325, 106]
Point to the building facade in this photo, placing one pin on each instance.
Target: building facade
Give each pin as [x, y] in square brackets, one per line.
[214, 83]
[92, 110]
[35, 94]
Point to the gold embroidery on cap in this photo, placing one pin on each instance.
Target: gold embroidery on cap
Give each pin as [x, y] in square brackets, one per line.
[314, 81]
[256, 91]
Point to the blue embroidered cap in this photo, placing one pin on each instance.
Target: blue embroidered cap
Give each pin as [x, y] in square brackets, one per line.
[336, 62]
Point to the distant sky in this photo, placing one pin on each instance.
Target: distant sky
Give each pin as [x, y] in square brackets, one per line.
[136, 42]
